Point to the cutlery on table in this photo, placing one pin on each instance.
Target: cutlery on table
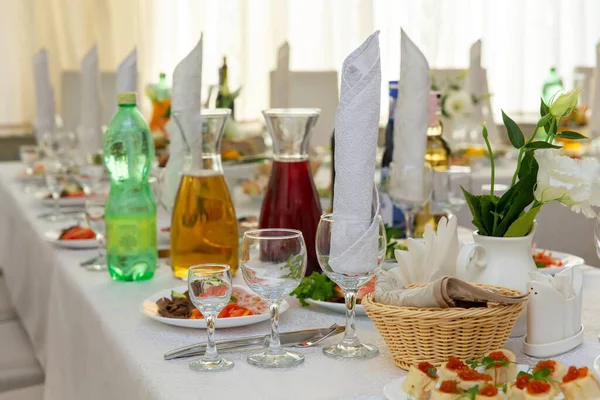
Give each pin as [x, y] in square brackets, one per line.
[298, 339]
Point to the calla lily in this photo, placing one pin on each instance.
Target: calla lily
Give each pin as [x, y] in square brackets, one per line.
[565, 103]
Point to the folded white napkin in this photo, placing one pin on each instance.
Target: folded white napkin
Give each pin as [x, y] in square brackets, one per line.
[354, 245]
[185, 99]
[127, 73]
[44, 94]
[595, 117]
[411, 116]
[281, 78]
[90, 129]
[482, 111]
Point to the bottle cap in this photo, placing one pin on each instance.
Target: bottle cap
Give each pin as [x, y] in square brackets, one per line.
[162, 75]
[127, 98]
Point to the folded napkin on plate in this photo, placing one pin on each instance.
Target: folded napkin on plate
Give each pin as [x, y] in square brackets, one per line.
[595, 117]
[44, 94]
[281, 78]
[410, 121]
[185, 100]
[479, 88]
[90, 129]
[446, 292]
[354, 245]
[127, 73]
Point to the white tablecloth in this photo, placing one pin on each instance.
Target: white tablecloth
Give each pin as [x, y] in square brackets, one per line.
[94, 343]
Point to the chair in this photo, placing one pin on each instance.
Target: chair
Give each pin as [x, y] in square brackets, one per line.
[7, 311]
[18, 365]
[35, 392]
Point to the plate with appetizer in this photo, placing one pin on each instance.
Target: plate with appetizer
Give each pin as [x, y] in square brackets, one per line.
[173, 307]
[318, 289]
[552, 262]
[73, 237]
[497, 376]
[71, 196]
[37, 175]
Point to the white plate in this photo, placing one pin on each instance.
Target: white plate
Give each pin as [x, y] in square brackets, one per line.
[337, 307]
[150, 309]
[53, 237]
[393, 390]
[568, 260]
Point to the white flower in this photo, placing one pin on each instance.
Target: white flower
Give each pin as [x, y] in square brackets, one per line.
[574, 183]
[565, 103]
[458, 104]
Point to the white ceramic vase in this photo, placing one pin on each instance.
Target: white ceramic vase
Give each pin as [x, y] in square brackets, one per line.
[499, 261]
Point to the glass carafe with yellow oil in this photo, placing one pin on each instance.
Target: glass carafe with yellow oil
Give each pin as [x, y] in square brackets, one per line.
[203, 226]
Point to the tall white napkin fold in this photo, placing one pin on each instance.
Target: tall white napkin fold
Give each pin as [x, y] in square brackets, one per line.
[90, 129]
[44, 94]
[281, 78]
[595, 117]
[354, 245]
[411, 116]
[482, 112]
[185, 99]
[127, 73]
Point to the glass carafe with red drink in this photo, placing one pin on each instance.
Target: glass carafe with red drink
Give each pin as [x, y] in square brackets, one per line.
[291, 200]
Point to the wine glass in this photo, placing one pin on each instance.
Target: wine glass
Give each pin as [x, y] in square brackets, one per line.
[597, 236]
[29, 156]
[447, 188]
[336, 262]
[209, 289]
[56, 177]
[410, 189]
[273, 262]
[90, 174]
[94, 216]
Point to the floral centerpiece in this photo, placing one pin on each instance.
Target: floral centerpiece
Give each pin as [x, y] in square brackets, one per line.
[457, 103]
[542, 175]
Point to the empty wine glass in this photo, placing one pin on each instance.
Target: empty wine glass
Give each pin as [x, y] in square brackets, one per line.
[273, 262]
[209, 289]
[410, 189]
[55, 174]
[29, 156]
[94, 216]
[447, 188]
[90, 174]
[335, 259]
[597, 236]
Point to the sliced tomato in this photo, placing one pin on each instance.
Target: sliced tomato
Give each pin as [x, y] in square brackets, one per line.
[78, 233]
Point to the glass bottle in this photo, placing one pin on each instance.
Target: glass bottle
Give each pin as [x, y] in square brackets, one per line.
[130, 213]
[552, 85]
[291, 200]
[224, 97]
[160, 94]
[204, 226]
[437, 156]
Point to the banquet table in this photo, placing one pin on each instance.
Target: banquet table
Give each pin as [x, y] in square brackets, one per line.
[94, 343]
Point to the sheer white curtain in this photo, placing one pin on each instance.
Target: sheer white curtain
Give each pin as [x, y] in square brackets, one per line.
[522, 39]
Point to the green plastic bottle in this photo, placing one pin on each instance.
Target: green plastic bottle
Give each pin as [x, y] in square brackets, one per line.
[130, 213]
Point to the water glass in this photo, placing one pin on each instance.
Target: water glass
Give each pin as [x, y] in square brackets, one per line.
[273, 262]
[372, 248]
[447, 188]
[29, 156]
[209, 289]
[410, 190]
[90, 175]
[94, 217]
[56, 176]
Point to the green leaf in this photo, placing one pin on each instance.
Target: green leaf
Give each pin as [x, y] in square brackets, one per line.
[528, 166]
[474, 203]
[544, 109]
[514, 132]
[316, 286]
[522, 226]
[541, 145]
[570, 135]
[513, 202]
[542, 374]
[488, 209]
[539, 264]
[432, 372]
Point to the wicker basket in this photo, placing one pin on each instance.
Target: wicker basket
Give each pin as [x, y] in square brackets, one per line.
[433, 334]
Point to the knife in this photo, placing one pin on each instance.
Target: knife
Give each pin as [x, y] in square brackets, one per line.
[304, 338]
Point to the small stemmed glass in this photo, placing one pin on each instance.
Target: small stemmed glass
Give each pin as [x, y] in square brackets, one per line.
[94, 216]
[56, 176]
[209, 289]
[370, 255]
[273, 262]
[410, 189]
[447, 188]
[29, 156]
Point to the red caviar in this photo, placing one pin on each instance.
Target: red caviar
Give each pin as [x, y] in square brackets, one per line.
[472, 375]
[498, 356]
[549, 364]
[538, 387]
[449, 387]
[489, 390]
[455, 364]
[575, 373]
[426, 368]
[522, 381]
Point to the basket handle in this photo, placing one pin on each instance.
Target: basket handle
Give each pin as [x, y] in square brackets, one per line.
[470, 254]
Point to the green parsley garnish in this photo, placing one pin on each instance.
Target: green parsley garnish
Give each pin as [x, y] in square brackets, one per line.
[316, 286]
